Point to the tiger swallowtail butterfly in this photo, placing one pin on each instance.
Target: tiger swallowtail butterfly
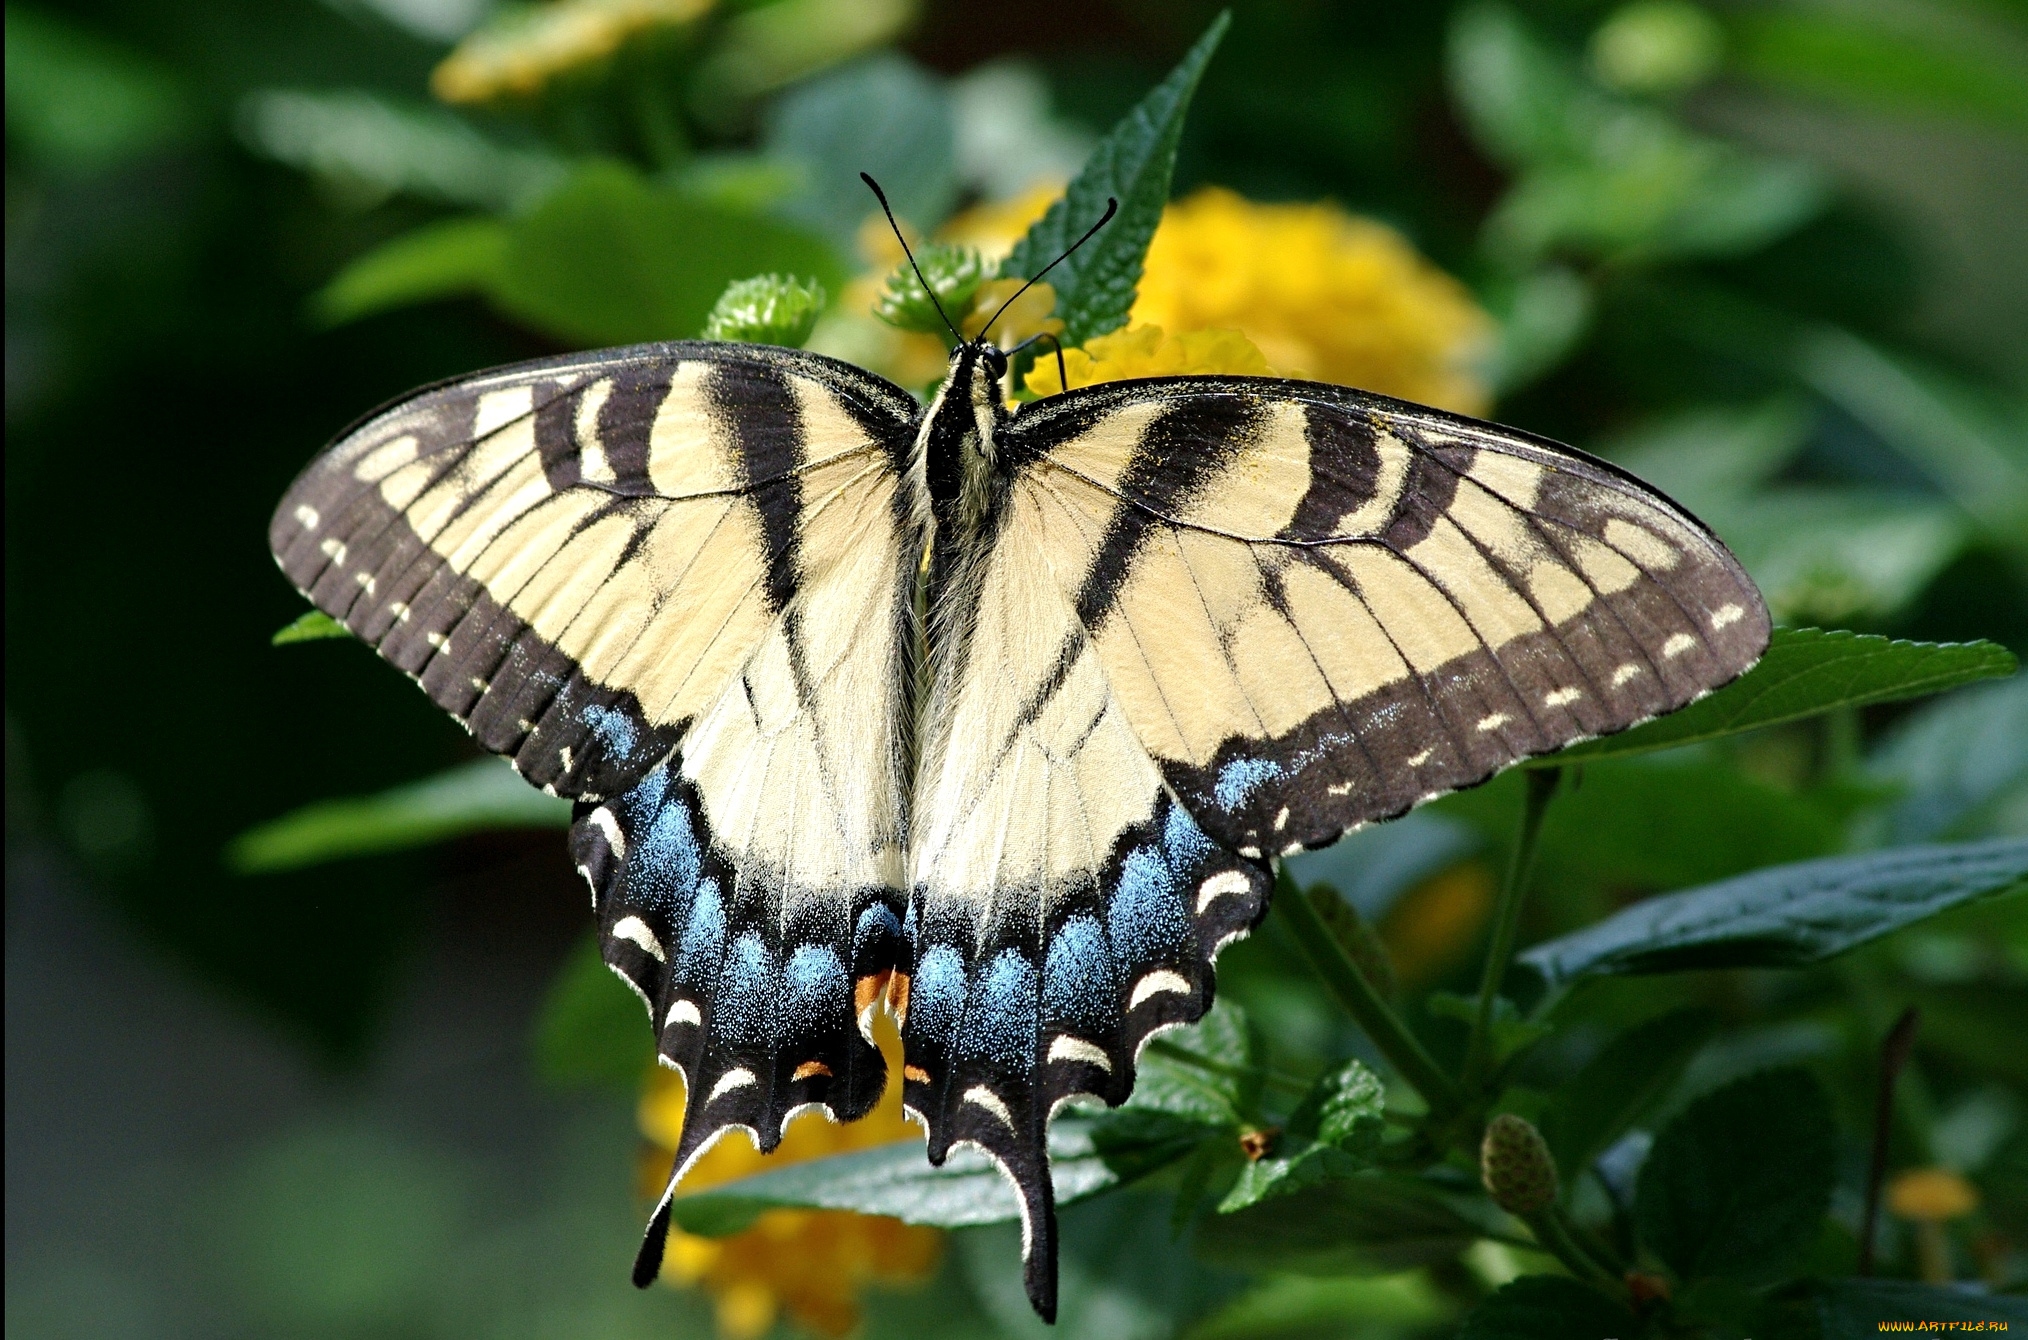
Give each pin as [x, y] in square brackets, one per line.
[992, 716]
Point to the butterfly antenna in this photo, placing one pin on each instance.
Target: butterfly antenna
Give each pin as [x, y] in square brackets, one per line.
[1061, 375]
[1112, 208]
[881, 196]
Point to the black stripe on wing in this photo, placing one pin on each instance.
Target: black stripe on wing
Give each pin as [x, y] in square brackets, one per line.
[1004, 1023]
[436, 529]
[762, 1016]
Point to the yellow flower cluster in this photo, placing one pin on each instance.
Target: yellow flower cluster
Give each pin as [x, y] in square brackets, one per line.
[1322, 294]
[1147, 351]
[519, 53]
[808, 1264]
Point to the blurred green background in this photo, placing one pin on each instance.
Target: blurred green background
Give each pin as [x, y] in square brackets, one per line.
[1770, 255]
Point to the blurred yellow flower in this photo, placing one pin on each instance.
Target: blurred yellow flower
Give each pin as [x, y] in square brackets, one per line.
[1322, 293]
[1148, 351]
[1934, 1194]
[808, 1264]
[518, 53]
[1434, 923]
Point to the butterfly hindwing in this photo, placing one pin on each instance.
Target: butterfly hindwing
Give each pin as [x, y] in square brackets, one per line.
[1064, 905]
[1318, 608]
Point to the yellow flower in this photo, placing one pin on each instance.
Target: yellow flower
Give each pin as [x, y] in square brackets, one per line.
[1320, 292]
[1931, 1194]
[809, 1264]
[1147, 351]
[518, 53]
[1435, 922]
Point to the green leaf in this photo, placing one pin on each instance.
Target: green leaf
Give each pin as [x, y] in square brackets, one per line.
[1787, 916]
[1806, 672]
[1547, 1307]
[312, 627]
[1511, 1032]
[1855, 58]
[1295, 1306]
[1737, 1185]
[1620, 1085]
[1371, 1224]
[1849, 1309]
[474, 797]
[1095, 288]
[1333, 1133]
[1832, 554]
[898, 1180]
[449, 259]
[1205, 1073]
[590, 1029]
[884, 116]
[372, 147]
[78, 101]
[1963, 764]
[611, 259]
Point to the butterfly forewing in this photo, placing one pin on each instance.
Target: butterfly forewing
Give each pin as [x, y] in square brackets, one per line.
[1318, 608]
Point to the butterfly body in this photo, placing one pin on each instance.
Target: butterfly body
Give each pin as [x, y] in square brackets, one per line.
[993, 718]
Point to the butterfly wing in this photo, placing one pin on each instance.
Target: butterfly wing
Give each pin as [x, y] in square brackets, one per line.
[673, 583]
[1319, 607]
[1217, 619]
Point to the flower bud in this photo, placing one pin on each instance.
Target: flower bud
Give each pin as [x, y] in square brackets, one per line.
[953, 272]
[767, 309]
[1515, 1165]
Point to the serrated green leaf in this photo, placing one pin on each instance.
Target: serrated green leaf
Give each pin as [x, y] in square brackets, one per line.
[1806, 672]
[1737, 1185]
[474, 797]
[1095, 287]
[1205, 1073]
[610, 258]
[1547, 1307]
[1787, 916]
[312, 627]
[1371, 1224]
[1619, 1085]
[1333, 1133]
[591, 1029]
[898, 1180]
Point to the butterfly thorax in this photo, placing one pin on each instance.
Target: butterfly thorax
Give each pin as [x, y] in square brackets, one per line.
[956, 456]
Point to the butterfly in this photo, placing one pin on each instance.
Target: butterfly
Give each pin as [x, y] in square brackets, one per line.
[994, 717]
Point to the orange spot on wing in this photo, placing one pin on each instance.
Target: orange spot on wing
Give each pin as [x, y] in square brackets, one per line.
[810, 1069]
[915, 1073]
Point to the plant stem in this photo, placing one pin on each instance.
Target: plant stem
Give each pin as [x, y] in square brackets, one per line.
[1373, 1014]
[1555, 1237]
[1198, 1061]
[1507, 923]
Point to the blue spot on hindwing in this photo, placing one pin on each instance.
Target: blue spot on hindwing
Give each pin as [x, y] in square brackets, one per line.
[1080, 985]
[664, 862]
[936, 998]
[1000, 1025]
[1183, 842]
[703, 938]
[877, 928]
[748, 984]
[1146, 917]
[817, 994]
[1239, 779]
[613, 730]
